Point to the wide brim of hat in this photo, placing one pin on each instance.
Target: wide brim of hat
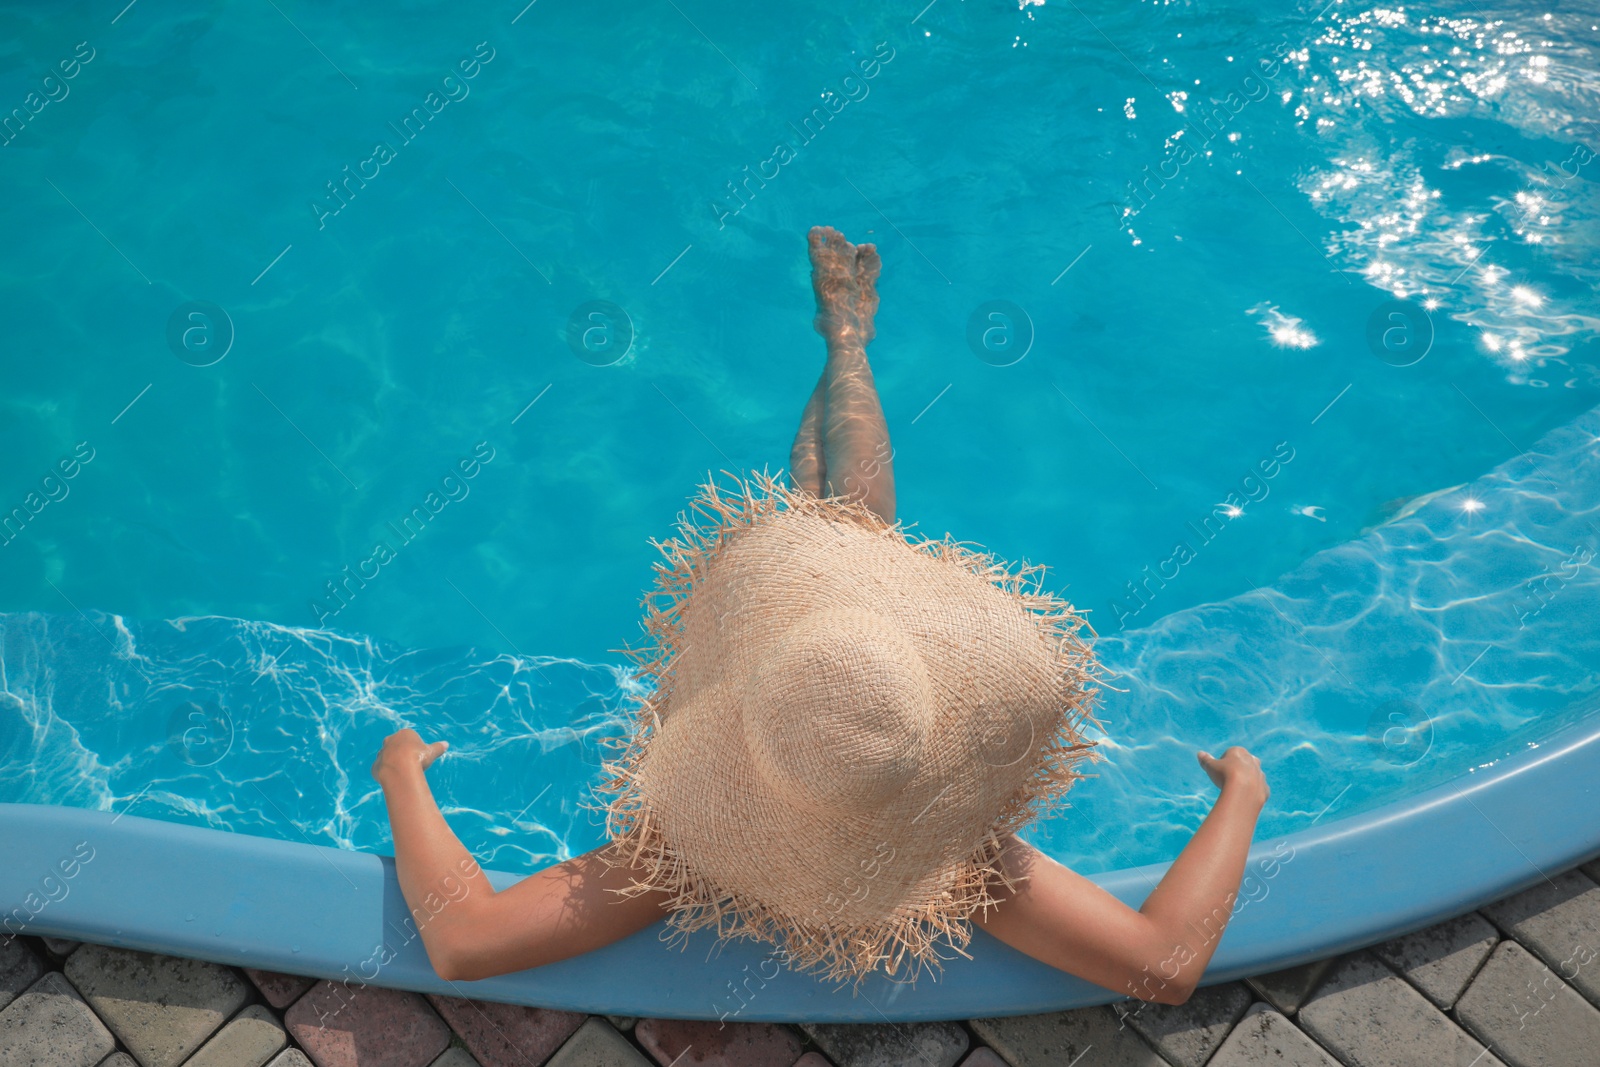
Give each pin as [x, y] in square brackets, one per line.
[673, 835]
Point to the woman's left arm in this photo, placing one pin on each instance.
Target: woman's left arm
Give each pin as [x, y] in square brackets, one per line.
[469, 930]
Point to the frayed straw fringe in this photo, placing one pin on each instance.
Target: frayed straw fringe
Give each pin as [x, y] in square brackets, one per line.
[912, 935]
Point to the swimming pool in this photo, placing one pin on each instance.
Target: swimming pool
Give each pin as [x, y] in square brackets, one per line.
[1266, 282]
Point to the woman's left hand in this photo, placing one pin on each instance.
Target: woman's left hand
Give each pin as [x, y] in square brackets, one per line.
[404, 749]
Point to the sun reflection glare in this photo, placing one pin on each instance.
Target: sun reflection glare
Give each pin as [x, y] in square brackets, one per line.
[1293, 337]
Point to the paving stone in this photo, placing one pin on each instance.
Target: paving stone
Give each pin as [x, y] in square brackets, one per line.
[597, 1044]
[984, 1056]
[711, 1043]
[1558, 920]
[291, 1057]
[812, 1059]
[1188, 1033]
[717, 1044]
[162, 1008]
[507, 1035]
[60, 947]
[1265, 1038]
[49, 1025]
[119, 1059]
[455, 1056]
[250, 1039]
[1060, 1037]
[19, 968]
[279, 990]
[1368, 1016]
[1528, 1014]
[1291, 987]
[890, 1044]
[366, 1026]
[623, 1023]
[1442, 959]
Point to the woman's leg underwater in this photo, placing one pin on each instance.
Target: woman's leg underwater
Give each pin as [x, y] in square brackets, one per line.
[844, 415]
[805, 456]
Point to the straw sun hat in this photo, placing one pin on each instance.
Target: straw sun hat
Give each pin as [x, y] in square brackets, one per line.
[844, 723]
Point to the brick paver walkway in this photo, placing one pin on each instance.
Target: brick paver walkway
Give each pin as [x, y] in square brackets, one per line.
[1515, 983]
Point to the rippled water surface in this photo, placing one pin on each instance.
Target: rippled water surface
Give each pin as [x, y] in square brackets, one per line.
[1198, 217]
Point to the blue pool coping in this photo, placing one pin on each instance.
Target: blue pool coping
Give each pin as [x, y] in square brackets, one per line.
[308, 909]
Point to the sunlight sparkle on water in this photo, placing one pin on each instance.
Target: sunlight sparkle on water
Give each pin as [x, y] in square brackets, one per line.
[1293, 337]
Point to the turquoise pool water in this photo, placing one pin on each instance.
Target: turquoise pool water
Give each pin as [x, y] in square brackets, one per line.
[1203, 293]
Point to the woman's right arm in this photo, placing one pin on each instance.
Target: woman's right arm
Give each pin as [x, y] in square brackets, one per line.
[1160, 951]
[469, 929]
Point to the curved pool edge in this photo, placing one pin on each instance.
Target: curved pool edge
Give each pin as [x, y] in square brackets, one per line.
[287, 906]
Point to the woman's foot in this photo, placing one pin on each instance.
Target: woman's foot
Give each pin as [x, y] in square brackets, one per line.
[843, 278]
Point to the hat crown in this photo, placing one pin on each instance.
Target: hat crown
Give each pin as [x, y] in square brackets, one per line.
[845, 709]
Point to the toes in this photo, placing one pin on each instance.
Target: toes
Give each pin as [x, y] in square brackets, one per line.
[832, 265]
[825, 242]
[843, 276]
[828, 250]
[868, 266]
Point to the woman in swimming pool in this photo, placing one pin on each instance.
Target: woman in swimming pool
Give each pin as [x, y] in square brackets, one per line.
[821, 678]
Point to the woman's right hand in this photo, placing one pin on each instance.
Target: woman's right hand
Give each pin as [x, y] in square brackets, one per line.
[403, 750]
[1237, 769]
